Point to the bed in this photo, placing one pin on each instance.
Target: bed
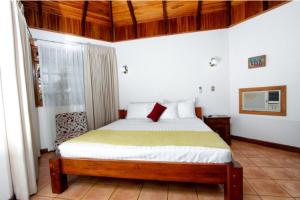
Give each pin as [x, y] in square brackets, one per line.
[130, 149]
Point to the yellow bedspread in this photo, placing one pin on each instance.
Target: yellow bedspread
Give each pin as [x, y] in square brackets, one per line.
[153, 138]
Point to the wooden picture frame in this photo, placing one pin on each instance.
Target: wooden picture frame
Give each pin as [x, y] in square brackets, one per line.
[282, 89]
[230, 174]
[257, 61]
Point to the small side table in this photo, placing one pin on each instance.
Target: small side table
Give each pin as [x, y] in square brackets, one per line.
[220, 124]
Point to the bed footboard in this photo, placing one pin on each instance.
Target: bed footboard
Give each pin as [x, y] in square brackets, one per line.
[229, 174]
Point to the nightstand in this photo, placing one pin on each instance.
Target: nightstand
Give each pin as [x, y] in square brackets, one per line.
[220, 124]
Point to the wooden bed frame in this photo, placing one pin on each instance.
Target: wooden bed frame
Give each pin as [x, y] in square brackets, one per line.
[229, 174]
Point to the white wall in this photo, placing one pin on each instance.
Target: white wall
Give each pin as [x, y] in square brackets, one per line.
[276, 34]
[173, 67]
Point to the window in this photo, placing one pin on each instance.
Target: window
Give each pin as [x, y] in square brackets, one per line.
[60, 75]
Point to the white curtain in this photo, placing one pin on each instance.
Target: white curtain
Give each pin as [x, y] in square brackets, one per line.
[62, 84]
[17, 103]
[101, 86]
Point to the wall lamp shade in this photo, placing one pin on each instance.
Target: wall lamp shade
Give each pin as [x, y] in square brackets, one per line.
[213, 61]
[124, 69]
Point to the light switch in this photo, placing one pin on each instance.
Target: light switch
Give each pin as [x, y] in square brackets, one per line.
[212, 88]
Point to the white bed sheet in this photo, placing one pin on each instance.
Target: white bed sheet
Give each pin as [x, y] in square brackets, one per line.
[149, 153]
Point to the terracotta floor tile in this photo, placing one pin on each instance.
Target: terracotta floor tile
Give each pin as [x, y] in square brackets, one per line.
[292, 187]
[35, 197]
[267, 187]
[129, 190]
[276, 153]
[275, 198]
[264, 162]
[292, 163]
[253, 154]
[181, 191]
[247, 189]
[209, 188]
[237, 154]
[246, 162]
[295, 171]
[43, 182]
[282, 173]
[251, 197]
[254, 172]
[211, 196]
[46, 192]
[76, 190]
[154, 191]
[102, 190]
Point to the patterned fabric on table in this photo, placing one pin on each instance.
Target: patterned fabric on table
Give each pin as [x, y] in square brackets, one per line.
[69, 125]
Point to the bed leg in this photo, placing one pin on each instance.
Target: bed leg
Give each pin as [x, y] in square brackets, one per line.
[234, 186]
[59, 182]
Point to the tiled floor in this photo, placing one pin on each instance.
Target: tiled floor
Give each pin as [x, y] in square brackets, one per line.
[269, 174]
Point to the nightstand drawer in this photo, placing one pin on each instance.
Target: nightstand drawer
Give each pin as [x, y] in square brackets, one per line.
[218, 121]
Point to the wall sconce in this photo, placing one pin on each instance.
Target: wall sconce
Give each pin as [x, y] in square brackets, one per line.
[213, 61]
[125, 69]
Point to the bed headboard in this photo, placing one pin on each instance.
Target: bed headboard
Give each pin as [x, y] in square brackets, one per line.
[123, 113]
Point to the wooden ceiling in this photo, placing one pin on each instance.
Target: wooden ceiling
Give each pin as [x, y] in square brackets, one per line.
[125, 20]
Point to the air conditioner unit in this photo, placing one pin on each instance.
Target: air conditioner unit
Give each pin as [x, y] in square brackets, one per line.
[262, 101]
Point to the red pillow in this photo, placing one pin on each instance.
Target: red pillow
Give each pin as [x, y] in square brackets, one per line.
[156, 112]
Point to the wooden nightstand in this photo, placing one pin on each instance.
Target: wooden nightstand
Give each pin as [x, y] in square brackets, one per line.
[220, 124]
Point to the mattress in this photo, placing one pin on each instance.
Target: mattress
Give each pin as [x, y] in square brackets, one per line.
[149, 153]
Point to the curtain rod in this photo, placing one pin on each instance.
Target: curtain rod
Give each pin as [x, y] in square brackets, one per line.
[71, 42]
[59, 42]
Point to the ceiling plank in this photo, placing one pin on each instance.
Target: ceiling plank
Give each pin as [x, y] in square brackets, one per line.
[228, 8]
[40, 11]
[265, 5]
[134, 22]
[165, 13]
[111, 18]
[83, 19]
[198, 20]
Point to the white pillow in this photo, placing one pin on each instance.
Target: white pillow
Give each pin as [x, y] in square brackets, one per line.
[139, 110]
[186, 109]
[170, 112]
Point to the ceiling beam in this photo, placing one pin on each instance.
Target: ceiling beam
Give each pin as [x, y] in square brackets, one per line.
[228, 8]
[83, 19]
[199, 13]
[134, 22]
[40, 11]
[111, 18]
[165, 14]
[265, 5]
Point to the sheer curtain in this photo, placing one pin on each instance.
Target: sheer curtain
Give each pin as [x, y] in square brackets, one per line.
[62, 84]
